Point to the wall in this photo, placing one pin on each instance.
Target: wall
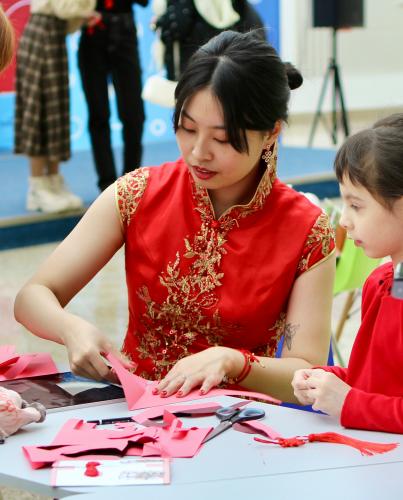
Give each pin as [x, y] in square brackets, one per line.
[370, 58]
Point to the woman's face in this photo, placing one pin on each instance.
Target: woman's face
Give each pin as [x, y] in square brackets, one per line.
[203, 142]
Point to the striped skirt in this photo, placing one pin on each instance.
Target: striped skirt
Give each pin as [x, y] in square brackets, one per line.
[42, 115]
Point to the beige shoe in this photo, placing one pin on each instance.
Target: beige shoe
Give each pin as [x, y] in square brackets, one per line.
[42, 198]
[58, 186]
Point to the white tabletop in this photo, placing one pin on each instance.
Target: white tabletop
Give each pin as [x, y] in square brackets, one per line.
[367, 482]
[231, 456]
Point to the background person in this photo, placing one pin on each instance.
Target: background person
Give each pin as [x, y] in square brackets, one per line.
[222, 259]
[368, 394]
[42, 114]
[185, 25]
[109, 50]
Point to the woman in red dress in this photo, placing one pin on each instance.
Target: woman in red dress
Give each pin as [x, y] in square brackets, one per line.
[222, 259]
[368, 394]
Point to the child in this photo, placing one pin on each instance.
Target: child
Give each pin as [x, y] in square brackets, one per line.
[369, 393]
[6, 40]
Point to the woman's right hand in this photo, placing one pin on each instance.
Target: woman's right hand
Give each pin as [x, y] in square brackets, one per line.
[86, 345]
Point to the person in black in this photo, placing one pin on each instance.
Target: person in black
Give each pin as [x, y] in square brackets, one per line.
[109, 49]
[184, 26]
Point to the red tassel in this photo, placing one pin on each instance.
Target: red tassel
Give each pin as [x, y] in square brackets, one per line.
[367, 448]
[283, 442]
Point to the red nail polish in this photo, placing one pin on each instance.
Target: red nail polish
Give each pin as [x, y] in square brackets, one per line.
[202, 392]
[164, 393]
[179, 394]
[155, 391]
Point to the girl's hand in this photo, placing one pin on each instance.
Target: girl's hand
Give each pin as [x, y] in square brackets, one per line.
[300, 386]
[86, 346]
[206, 369]
[327, 392]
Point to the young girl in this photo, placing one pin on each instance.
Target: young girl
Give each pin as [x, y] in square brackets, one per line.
[42, 115]
[222, 258]
[368, 394]
[6, 40]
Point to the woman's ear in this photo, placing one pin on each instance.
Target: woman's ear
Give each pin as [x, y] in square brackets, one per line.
[273, 134]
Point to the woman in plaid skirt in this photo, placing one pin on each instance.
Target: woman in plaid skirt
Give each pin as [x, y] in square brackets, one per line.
[42, 119]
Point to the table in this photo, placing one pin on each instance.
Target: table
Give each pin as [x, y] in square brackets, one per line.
[233, 458]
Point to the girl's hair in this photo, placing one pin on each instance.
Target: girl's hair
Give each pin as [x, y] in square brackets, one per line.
[373, 158]
[6, 40]
[248, 78]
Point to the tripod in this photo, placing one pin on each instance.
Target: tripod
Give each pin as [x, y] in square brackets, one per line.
[332, 70]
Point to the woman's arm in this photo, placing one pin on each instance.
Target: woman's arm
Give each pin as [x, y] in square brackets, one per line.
[306, 344]
[39, 305]
[306, 333]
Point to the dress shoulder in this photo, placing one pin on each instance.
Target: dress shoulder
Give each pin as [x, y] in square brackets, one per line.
[319, 244]
[129, 190]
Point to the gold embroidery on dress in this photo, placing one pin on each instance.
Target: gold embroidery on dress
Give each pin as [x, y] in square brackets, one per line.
[270, 348]
[172, 327]
[130, 189]
[321, 234]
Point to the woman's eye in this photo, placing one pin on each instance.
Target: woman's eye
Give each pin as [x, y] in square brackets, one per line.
[190, 130]
[354, 207]
[221, 141]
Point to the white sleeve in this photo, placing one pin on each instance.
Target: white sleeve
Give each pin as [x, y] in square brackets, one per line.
[67, 9]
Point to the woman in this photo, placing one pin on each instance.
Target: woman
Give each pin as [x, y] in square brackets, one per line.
[222, 259]
[42, 116]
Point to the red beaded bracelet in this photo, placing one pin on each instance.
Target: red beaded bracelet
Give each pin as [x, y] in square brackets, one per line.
[249, 358]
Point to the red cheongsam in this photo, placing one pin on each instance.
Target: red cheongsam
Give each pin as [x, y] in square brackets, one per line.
[195, 281]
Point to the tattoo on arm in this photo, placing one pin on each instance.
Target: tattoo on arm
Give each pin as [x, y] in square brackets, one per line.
[289, 332]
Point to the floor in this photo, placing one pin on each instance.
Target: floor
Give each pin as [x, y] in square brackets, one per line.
[103, 301]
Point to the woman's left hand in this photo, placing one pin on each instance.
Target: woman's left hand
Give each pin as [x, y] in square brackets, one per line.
[327, 392]
[206, 369]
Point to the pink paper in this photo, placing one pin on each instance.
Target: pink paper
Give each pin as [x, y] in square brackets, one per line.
[139, 394]
[83, 438]
[27, 365]
[158, 411]
[256, 427]
[7, 355]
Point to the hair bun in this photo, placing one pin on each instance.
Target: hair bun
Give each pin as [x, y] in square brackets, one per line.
[294, 76]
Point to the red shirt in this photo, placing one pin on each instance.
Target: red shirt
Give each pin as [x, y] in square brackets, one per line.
[375, 401]
[195, 281]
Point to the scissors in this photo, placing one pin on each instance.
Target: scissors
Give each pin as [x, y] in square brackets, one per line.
[230, 416]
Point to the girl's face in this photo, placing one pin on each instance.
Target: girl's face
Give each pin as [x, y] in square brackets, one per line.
[378, 230]
[212, 161]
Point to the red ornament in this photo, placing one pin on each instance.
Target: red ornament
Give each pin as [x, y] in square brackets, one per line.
[91, 469]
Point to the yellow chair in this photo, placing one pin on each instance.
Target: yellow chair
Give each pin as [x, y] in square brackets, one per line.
[352, 270]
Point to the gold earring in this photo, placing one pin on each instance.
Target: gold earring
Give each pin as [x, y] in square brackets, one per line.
[270, 157]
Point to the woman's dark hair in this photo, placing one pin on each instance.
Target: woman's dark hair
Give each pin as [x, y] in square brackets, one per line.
[373, 158]
[248, 78]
